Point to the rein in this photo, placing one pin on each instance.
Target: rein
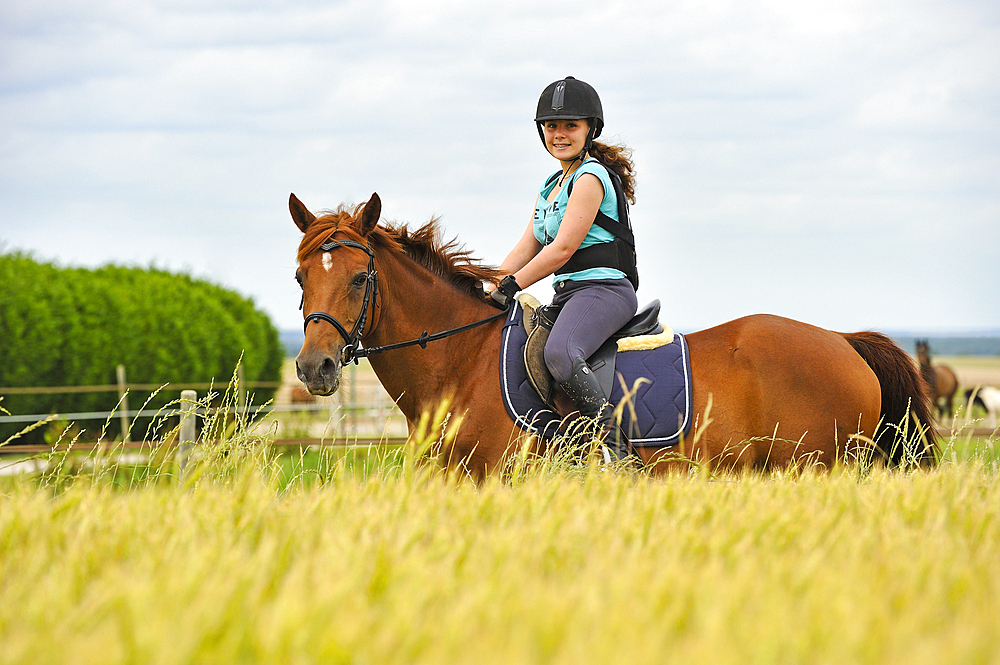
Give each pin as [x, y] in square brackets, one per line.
[352, 349]
[424, 338]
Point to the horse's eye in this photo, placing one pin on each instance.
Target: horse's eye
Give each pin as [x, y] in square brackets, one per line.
[298, 278]
[359, 281]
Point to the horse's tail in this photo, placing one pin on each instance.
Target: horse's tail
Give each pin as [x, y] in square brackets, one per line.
[903, 392]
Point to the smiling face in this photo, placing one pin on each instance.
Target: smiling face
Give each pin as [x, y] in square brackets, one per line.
[565, 139]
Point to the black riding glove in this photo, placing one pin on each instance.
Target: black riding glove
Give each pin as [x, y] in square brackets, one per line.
[506, 289]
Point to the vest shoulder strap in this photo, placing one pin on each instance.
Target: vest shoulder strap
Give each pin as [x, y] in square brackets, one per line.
[623, 227]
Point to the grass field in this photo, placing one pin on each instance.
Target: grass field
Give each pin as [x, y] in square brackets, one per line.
[377, 558]
[374, 556]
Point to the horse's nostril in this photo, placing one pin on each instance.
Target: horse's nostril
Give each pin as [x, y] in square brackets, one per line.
[329, 367]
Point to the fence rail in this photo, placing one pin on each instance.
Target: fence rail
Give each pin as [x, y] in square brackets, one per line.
[339, 442]
[170, 413]
[354, 411]
[113, 387]
[123, 387]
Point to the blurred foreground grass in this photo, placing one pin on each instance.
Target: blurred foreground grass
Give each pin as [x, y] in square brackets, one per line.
[374, 557]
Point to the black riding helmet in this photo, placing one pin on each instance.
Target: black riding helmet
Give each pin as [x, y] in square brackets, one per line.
[570, 99]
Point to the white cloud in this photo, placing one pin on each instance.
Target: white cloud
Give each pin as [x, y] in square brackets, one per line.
[799, 158]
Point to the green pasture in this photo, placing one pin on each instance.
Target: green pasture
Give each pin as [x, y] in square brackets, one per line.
[375, 556]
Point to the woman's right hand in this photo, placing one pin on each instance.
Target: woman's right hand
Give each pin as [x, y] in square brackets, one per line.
[505, 291]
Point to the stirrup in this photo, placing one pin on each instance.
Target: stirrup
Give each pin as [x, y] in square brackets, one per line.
[615, 445]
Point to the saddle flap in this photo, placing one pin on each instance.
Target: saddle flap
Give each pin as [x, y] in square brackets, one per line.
[602, 363]
[534, 363]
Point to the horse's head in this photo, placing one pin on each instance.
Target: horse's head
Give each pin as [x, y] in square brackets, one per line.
[923, 352]
[339, 288]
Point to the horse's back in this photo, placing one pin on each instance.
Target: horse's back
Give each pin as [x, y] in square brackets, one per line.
[946, 380]
[780, 389]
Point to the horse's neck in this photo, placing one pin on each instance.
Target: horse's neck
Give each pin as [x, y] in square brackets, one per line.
[414, 301]
[927, 372]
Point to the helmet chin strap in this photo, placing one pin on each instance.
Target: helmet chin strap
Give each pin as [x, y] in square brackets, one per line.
[570, 167]
[582, 156]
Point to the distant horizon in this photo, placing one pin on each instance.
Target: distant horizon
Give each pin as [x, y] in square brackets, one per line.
[974, 343]
[958, 334]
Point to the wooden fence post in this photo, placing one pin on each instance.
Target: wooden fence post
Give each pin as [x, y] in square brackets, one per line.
[241, 393]
[123, 403]
[352, 412]
[189, 401]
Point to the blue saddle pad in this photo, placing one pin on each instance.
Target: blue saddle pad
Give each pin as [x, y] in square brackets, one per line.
[661, 404]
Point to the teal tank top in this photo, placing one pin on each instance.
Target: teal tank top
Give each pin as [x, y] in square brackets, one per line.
[549, 215]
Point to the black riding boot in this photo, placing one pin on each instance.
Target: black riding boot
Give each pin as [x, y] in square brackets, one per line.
[585, 391]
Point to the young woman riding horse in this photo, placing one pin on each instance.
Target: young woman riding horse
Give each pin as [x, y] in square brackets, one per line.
[768, 391]
[591, 281]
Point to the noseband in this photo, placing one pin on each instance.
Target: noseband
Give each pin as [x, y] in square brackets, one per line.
[353, 339]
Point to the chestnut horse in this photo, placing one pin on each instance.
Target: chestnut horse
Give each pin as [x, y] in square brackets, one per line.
[769, 391]
[942, 384]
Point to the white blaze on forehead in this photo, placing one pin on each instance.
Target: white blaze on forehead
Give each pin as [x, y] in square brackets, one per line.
[327, 261]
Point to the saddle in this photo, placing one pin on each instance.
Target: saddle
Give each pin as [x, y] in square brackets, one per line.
[643, 331]
[649, 375]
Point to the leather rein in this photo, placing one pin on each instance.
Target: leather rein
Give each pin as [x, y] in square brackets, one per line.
[352, 349]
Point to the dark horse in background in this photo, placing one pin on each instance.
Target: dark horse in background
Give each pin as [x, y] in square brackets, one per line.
[942, 384]
[768, 392]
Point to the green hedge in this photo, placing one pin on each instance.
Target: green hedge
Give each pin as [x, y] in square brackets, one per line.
[73, 326]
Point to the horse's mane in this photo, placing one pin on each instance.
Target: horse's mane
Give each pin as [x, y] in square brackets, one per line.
[449, 260]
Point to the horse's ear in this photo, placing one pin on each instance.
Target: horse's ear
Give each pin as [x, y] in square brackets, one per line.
[300, 214]
[370, 215]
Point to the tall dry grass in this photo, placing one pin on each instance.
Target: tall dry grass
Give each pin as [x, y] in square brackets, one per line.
[247, 558]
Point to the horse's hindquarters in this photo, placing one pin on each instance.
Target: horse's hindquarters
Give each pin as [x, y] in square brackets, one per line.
[782, 392]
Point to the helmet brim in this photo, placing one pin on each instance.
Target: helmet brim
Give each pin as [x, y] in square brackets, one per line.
[562, 116]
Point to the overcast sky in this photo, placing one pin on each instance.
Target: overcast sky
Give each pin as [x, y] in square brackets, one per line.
[833, 162]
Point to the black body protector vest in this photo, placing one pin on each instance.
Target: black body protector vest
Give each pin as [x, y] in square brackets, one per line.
[620, 252]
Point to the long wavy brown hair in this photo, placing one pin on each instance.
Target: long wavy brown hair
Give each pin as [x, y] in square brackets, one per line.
[618, 158]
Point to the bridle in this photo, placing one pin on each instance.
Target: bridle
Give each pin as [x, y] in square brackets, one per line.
[352, 348]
